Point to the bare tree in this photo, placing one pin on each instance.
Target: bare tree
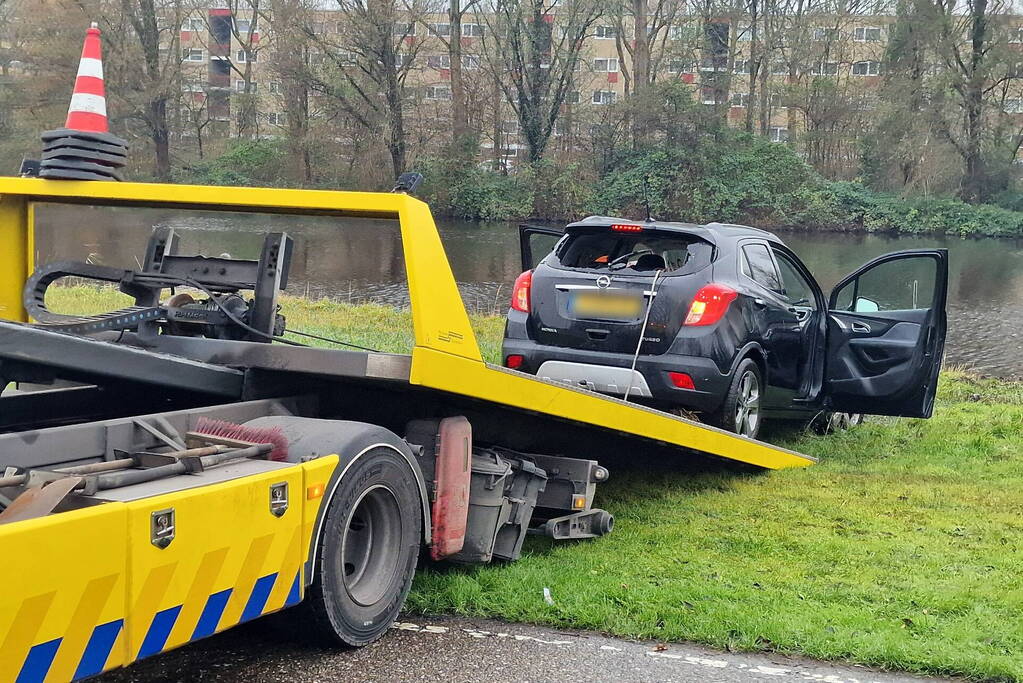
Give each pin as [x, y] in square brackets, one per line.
[532, 51]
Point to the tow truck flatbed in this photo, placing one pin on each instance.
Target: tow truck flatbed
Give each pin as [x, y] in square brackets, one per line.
[125, 566]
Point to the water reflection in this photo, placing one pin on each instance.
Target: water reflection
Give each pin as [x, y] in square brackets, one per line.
[361, 260]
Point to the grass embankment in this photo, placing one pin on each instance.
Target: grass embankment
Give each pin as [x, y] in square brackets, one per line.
[902, 548]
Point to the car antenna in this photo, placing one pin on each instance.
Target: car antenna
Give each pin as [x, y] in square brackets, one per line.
[646, 197]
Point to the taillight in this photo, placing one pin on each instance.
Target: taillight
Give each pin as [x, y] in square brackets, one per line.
[681, 380]
[520, 292]
[514, 361]
[626, 227]
[710, 304]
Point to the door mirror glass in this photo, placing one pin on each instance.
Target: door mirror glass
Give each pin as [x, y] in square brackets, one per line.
[865, 305]
[899, 284]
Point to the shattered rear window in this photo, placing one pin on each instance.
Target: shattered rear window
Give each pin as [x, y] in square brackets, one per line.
[649, 251]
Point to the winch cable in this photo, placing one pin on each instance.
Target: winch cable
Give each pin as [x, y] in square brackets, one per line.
[642, 332]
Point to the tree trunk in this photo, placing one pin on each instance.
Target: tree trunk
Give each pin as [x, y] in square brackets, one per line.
[459, 120]
[973, 182]
[640, 67]
[159, 131]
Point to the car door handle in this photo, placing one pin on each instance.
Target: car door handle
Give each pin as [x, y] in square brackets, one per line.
[862, 328]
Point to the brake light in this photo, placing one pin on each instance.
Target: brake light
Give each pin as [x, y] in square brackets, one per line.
[520, 292]
[681, 380]
[710, 304]
[514, 361]
[623, 227]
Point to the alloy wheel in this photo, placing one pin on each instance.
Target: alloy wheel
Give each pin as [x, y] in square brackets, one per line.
[747, 405]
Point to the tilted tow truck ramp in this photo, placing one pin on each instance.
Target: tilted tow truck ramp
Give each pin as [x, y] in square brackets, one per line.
[116, 548]
[445, 357]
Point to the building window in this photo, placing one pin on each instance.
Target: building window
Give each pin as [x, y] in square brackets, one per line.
[346, 59]
[604, 97]
[194, 24]
[687, 33]
[242, 26]
[778, 133]
[711, 96]
[738, 99]
[866, 68]
[239, 85]
[193, 54]
[744, 33]
[825, 69]
[510, 127]
[402, 61]
[402, 30]
[276, 118]
[318, 28]
[472, 30]
[439, 29]
[572, 97]
[1013, 106]
[825, 34]
[438, 61]
[243, 56]
[339, 27]
[779, 69]
[1016, 35]
[605, 65]
[743, 66]
[867, 34]
[471, 62]
[605, 32]
[438, 92]
[681, 66]
[275, 87]
[191, 86]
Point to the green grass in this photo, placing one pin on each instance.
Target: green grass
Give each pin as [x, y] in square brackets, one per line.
[901, 549]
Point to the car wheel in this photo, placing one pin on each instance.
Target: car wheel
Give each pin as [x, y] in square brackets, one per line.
[368, 551]
[741, 412]
[836, 422]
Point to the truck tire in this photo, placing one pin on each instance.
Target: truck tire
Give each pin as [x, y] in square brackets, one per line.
[367, 551]
[742, 412]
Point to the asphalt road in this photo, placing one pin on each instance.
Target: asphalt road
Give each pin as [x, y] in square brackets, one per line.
[471, 650]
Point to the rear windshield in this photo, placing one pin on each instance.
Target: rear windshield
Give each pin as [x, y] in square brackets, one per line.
[603, 250]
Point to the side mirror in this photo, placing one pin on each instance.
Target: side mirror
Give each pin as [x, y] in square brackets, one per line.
[865, 305]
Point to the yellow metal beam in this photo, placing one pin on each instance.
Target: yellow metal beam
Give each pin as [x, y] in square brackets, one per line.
[15, 255]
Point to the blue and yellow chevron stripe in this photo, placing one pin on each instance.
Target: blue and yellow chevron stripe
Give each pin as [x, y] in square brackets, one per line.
[98, 595]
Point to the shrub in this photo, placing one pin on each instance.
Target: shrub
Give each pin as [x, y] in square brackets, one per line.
[246, 162]
[460, 189]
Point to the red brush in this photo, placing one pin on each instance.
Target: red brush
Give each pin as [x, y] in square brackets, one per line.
[221, 429]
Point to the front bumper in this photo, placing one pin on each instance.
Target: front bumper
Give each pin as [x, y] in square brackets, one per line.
[595, 370]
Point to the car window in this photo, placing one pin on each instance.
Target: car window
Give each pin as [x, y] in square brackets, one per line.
[902, 284]
[798, 289]
[648, 251]
[759, 266]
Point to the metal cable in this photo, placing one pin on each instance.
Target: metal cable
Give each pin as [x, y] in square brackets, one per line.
[642, 332]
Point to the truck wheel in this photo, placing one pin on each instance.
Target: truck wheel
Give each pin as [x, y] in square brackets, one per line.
[741, 413]
[368, 550]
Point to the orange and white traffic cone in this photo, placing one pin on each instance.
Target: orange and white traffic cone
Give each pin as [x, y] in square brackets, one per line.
[84, 149]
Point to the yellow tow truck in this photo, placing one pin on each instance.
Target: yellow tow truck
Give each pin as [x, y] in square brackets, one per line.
[180, 466]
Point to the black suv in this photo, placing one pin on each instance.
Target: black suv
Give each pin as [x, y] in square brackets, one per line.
[733, 325]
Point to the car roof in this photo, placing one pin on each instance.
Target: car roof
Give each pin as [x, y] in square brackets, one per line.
[715, 233]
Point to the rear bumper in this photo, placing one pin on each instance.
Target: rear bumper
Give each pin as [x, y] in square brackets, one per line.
[596, 370]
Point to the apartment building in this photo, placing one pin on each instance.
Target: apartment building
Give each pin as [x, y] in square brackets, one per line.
[232, 84]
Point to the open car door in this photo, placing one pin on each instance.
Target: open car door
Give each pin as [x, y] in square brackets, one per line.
[886, 335]
[542, 238]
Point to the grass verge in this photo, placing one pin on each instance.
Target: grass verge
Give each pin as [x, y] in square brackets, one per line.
[901, 549]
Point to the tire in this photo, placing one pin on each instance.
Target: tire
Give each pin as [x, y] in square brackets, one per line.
[368, 550]
[741, 412]
[836, 422]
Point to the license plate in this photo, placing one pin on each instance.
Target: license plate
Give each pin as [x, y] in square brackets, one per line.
[610, 305]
